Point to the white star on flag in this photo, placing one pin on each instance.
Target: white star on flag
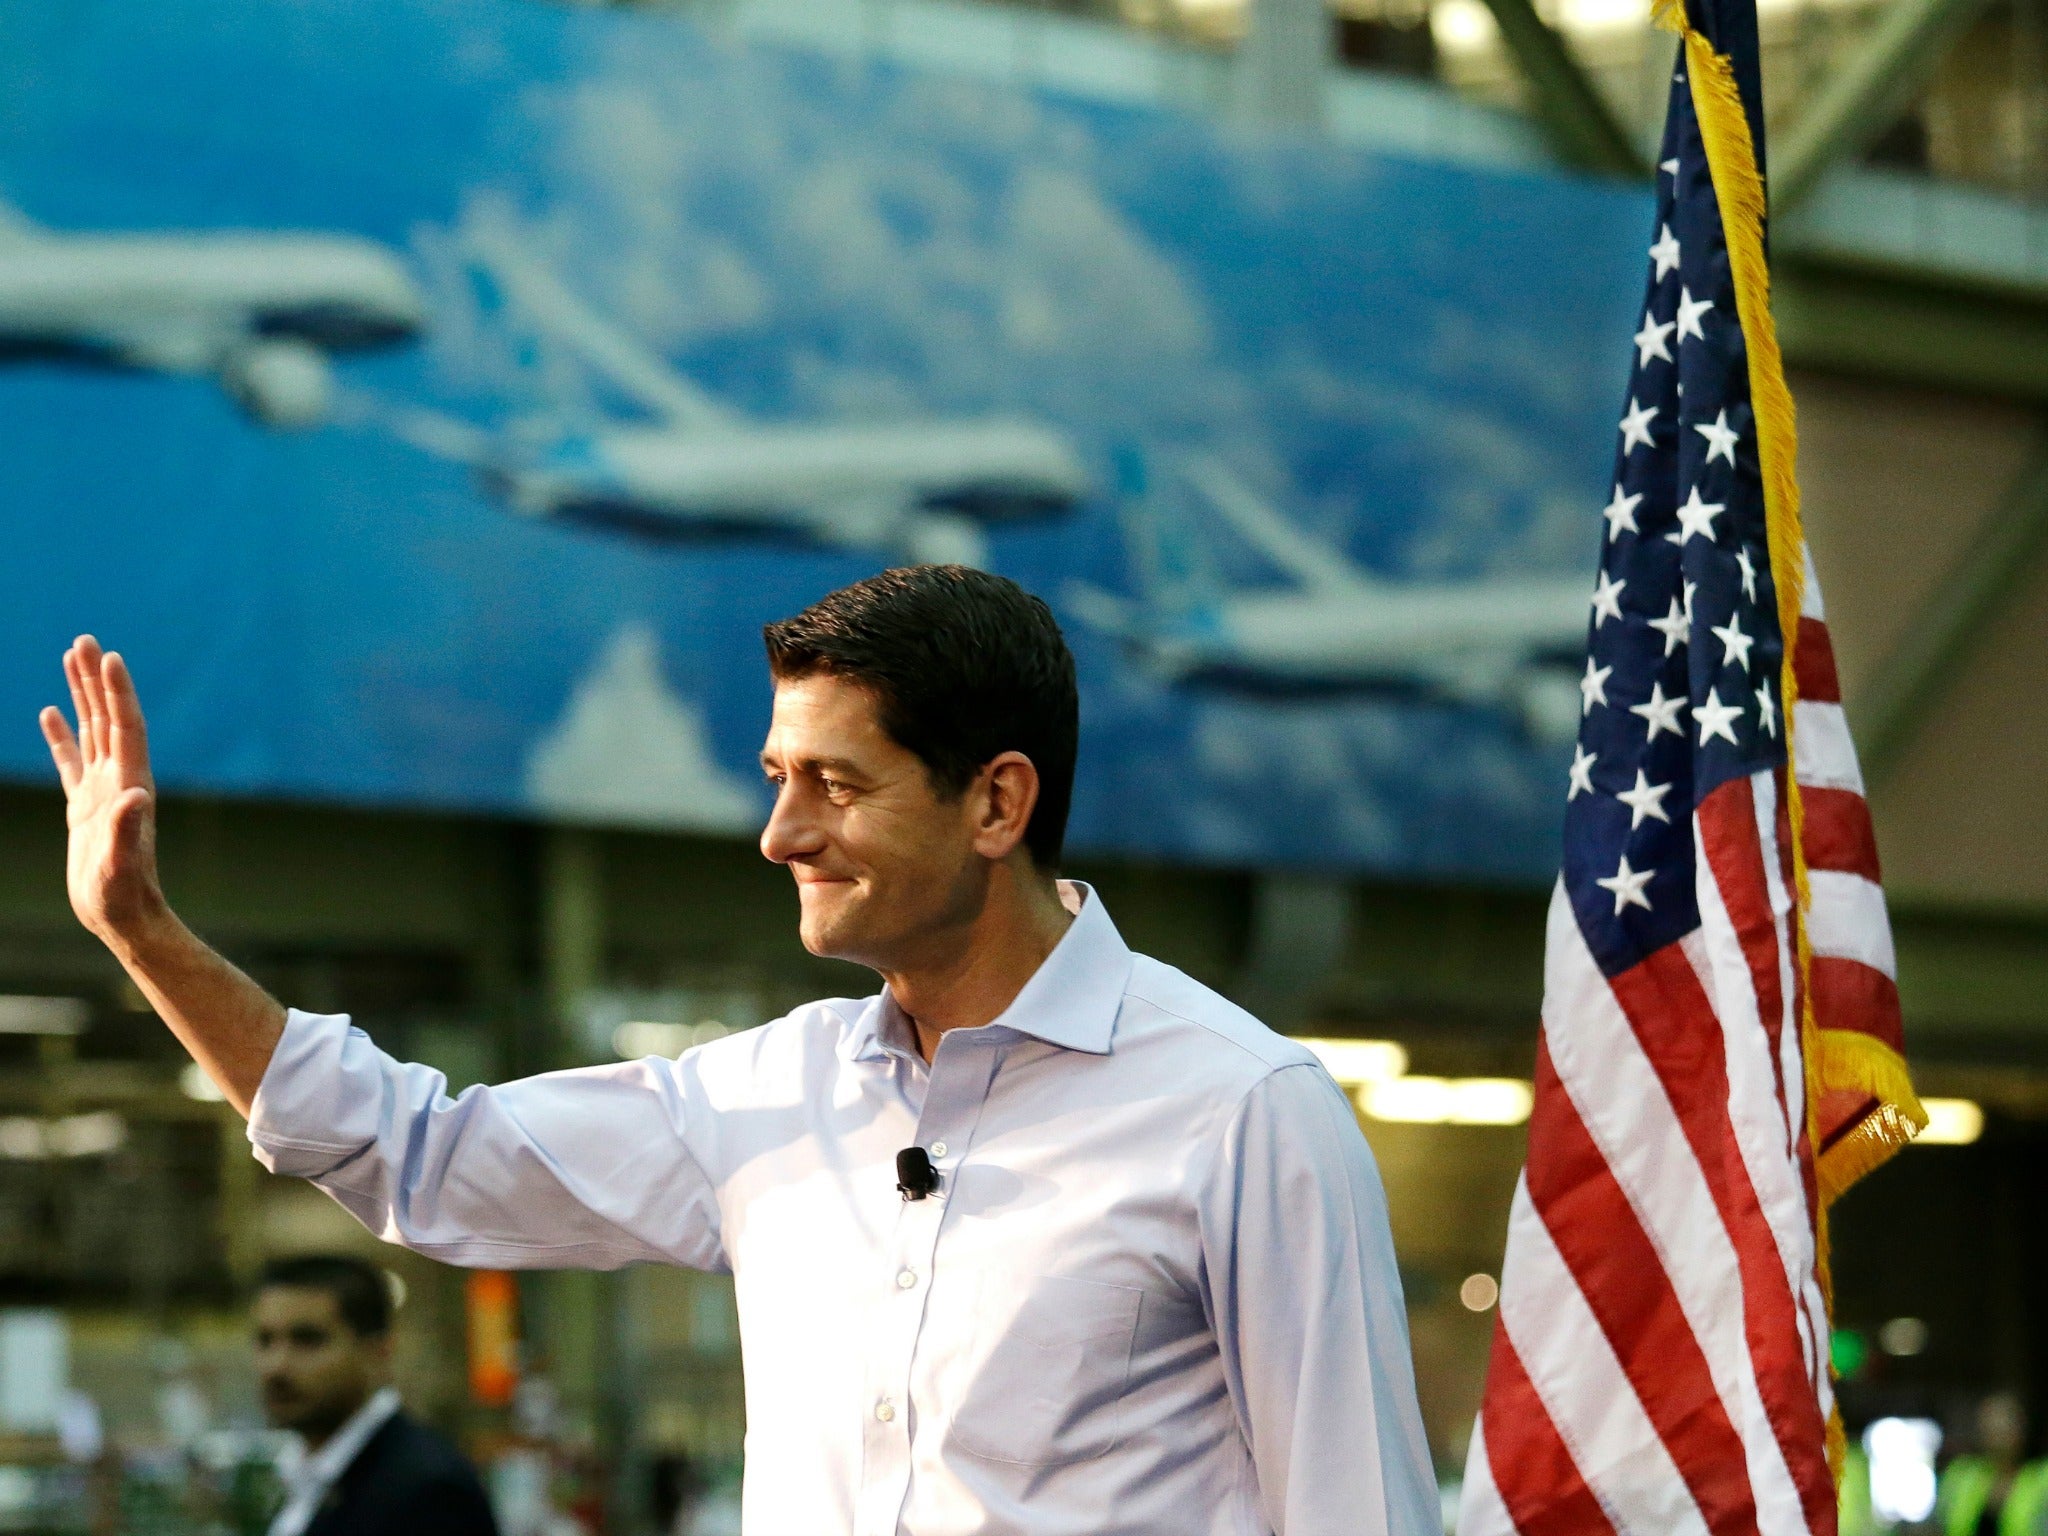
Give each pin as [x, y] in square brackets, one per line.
[1644, 801]
[1697, 517]
[1669, 167]
[1635, 426]
[1665, 252]
[1675, 627]
[1766, 710]
[1690, 310]
[1748, 573]
[1582, 773]
[1593, 687]
[1721, 438]
[1717, 719]
[1627, 885]
[1691, 590]
[1734, 643]
[1621, 512]
[1662, 713]
[1650, 339]
[1607, 600]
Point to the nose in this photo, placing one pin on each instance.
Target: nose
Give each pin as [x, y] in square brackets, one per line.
[792, 832]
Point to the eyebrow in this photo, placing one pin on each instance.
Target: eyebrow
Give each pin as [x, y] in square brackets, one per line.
[816, 764]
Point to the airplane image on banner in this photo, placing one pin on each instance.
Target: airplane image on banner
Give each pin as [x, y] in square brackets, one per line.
[688, 466]
[1510, 643]
[261, 311]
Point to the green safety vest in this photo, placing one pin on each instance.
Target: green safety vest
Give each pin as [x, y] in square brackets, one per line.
[1966, 1493]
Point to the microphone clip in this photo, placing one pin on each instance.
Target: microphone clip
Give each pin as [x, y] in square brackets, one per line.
[916, 1178]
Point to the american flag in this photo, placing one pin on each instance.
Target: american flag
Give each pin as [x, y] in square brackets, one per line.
[1718, 1057]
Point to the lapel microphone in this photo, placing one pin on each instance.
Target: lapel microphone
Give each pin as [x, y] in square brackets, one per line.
[915, 1176]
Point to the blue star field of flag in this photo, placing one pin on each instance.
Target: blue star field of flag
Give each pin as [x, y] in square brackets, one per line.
[1680, 691]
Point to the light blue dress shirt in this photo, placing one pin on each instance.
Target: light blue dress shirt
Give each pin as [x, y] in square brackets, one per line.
[1155, 1294]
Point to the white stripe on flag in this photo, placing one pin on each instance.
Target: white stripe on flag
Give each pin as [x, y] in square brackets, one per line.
[1574, 1370]
[1847, 920]
[1814, 1327]
[1753, 1112]
[1631, 1120]
[1480, 1510]
[1810, 605]
[1823, 754]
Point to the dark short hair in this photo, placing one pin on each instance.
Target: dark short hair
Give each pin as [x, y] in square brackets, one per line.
[963, 666]
[361, 1291]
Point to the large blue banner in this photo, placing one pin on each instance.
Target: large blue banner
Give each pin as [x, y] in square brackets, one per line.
[432, 400]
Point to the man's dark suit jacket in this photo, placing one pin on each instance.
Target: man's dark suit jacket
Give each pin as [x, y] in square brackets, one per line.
[406, 1481]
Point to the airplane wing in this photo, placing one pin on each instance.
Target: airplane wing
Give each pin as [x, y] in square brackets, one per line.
[529, 282]
[1314, 564]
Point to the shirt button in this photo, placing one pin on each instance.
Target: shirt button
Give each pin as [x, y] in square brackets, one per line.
[905, 1279]
[938, 1149]
[885, 1410]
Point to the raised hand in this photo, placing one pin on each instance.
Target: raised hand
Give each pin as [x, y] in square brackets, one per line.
[110, 798]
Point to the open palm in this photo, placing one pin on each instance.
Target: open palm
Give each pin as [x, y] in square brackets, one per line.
[109, 796]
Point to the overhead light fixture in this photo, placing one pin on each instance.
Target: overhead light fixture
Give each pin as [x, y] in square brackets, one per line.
[1951, 1122]
[24, 1139]
[1449, 1100]
[195, 1084]
[42, 1015]
[1353, 1062]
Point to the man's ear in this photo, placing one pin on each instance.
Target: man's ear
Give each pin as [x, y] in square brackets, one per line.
[1007, 794]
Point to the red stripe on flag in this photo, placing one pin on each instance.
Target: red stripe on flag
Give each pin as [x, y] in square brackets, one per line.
[1735, 854]
[1813, 663]
[1675, 1021]
[1838, 832]
[1847, 994]
[1533, 1470]
[1618, 1271]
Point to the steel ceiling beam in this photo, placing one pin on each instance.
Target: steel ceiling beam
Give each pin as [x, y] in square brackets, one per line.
[1574, 116]
[1896, 699]
[1862, 96]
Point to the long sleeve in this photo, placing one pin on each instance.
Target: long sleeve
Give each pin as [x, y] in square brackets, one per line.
[582, 1169]
[1306, 1304]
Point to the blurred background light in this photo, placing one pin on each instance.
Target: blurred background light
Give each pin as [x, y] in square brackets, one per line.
[196, 1085]
[42, 1015]
[1901, 1453]
[1449, 1100]
[1951, 1123]
[1902, 1336]
[652, 1037]
[1353, 1062]
[1479, 1292]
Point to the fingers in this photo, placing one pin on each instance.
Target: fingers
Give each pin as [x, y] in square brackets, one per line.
[90, 660]
[129, 736]
[63, 747]
[80, 709]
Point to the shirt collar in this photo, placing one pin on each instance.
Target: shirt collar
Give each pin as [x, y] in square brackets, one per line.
[1070, 1001]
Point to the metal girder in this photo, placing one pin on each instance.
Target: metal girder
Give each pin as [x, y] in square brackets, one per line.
[1895, 700]
[1575, 117]
[1914, 327]
[1861, 97]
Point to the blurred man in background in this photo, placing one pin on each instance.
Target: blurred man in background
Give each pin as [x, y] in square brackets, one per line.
[323, 1353]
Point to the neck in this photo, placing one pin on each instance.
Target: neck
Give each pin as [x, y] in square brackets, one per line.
[317, 1436]
[974, 970]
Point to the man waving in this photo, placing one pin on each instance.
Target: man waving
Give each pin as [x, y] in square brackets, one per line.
[1131, 1272]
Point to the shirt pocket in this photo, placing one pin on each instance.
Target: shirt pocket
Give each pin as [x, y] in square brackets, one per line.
[1046, 1367]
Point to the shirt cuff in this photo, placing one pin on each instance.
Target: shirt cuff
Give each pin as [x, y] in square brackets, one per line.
[313, 1110]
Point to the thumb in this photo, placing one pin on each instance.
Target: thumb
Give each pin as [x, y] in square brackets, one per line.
[130, 816]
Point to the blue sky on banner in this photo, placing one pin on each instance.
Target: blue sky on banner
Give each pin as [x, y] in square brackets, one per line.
[1412, 364]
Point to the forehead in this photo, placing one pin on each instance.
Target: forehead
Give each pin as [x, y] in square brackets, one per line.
[825, 716]
[296, 1306]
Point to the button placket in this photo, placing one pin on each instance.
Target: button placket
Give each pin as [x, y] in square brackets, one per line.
[957, 1088]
